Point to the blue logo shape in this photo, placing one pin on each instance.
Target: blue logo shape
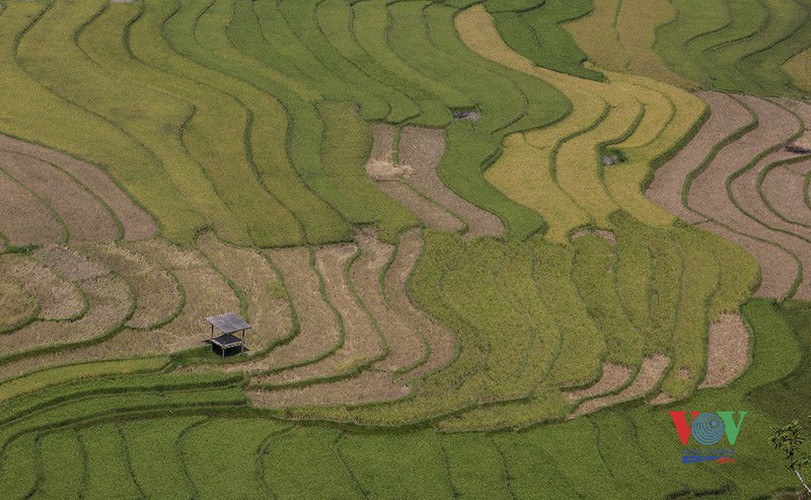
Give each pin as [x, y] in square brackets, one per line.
[708, 428]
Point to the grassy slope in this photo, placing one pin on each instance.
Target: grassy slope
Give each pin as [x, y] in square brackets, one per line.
[548, 461]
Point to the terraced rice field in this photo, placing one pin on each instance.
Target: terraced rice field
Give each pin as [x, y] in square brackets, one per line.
[485, 247]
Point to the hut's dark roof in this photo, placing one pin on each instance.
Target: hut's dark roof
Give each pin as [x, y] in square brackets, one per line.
[228, 323]
[227, 341]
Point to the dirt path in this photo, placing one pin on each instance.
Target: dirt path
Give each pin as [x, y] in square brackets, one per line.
[727, 351]
[440, 341]
[85, 217]
[422, 149]
[136, 222]
[649, 375]
[727, 117]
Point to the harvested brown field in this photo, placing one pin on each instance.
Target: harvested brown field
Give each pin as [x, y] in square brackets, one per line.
[318, 334]
[137, 223]
[69, 263]
[269, 314]
[380, 165]
[84, 216]
[157, 295]
[206, 294]
[421, 149]
[727, 351]
[727, 117]
[783, 189]
[434, 216]
[612, 378]
[110, 304]
[440, 341]
[57, 298]
[388, 177]
[649, 374]
[406, 348]
[605, 234]
[24, 218]
[782, 268]
[366, 387]
[17, 306]
[708, 194]
[362, 343]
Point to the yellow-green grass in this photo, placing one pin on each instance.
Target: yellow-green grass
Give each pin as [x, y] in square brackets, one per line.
[18, 307]
[596, 34]
[218, 133]
[694, 19]
[205, 146]
[288, 459]
[267, 93]
[536, 33]
[543, 406]
[525, 172]
[293, 24]
[753, 61]
[377, 461]
[345, 147]
[61, 464]
[731, 21]
[158, 470]
[371, 29]
[378, 100]
[797, 69]
[508, 329]
[144, 115]
[582, 344]
[242, 443]
[739, 273]
[68, 127]
[330, 146]
[36, 381]
[593, 273]
[619, 35]
[699, 281]
[671, 114]
[335, 20]
[636, 25]
[110, 468]
[626, 123]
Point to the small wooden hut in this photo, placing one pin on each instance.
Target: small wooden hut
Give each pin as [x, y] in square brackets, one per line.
[227, 325]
